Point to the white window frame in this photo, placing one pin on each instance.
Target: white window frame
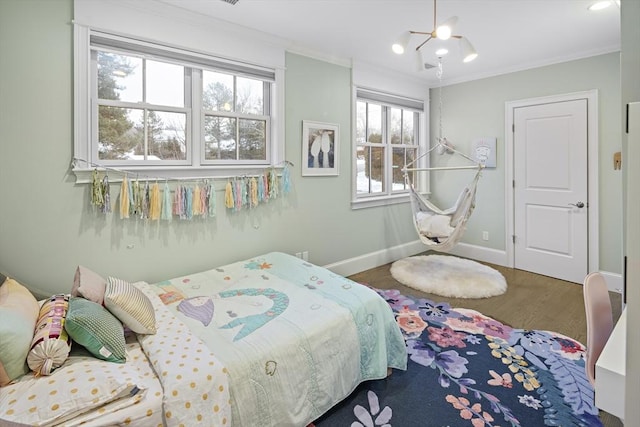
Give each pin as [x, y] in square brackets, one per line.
[85, 115]
[388, 101]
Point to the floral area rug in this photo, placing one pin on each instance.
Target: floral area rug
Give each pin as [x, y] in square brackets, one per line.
[467, 369]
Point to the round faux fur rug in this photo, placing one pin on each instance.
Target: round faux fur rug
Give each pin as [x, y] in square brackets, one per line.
[449, 276]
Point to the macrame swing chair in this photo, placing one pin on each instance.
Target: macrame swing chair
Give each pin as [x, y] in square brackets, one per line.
[441, 229]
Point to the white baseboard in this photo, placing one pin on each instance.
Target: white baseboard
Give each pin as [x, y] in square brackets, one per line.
[478, 253]
[375, 259]
[614, 281]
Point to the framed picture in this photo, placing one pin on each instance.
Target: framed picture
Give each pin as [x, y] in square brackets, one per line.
[483, 150]
[320, 148]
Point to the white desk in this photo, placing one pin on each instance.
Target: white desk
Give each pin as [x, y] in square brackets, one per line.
[610, 370]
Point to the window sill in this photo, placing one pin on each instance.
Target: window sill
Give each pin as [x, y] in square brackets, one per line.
[371, 202]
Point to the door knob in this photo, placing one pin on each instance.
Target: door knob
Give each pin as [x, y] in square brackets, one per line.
[577, 205]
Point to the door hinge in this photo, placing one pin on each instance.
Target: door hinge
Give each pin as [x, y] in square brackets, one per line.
[513, 183]
[513, 128]
[513, 237]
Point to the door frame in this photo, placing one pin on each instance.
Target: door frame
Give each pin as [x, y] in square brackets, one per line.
[593, 262]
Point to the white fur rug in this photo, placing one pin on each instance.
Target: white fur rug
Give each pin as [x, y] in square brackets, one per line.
[449, 276]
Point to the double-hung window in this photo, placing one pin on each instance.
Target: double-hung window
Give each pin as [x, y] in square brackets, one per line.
[155, 108]
[387, 133]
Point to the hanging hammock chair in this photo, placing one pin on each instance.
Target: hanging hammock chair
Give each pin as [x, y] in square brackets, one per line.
[442, 229]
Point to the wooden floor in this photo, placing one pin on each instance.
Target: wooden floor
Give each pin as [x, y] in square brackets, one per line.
[532, 301]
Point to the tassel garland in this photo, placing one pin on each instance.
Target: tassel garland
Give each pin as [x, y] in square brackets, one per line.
[150, 202]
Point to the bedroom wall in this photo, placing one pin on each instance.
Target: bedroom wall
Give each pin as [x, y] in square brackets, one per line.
[47, 226]
[477, 109]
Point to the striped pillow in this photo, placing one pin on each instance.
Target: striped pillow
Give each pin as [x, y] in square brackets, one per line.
[130, 305]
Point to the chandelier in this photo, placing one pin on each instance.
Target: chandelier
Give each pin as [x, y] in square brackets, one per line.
[443, 31]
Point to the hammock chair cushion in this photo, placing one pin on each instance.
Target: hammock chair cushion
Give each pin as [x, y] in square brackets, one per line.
[434, 225]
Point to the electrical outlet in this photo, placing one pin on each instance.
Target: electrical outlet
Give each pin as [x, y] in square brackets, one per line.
[485, 235]
[305, 255]
[299, 255]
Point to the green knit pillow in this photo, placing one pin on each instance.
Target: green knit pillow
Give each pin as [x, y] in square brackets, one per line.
[93, 327]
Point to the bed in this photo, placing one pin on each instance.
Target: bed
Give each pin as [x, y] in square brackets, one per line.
[270, 341]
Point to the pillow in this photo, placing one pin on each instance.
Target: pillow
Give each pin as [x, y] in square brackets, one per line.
[81, 385]
[93, 327]
[18, 314]
[130, 305]
[88, 285]
[51, 344]
[432, 225]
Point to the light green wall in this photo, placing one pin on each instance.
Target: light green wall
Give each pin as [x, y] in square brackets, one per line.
[47, 227]
[476, 109]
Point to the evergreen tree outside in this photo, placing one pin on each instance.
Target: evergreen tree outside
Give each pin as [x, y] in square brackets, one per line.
[116, 133]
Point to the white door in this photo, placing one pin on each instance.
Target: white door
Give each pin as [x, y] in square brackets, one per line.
[550, 189]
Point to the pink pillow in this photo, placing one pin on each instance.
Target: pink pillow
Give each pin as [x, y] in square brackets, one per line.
[88, 285]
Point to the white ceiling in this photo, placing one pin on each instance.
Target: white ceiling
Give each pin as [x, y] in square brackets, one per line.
[509, 35]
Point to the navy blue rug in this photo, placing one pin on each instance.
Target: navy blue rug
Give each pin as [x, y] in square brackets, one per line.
[466, 369]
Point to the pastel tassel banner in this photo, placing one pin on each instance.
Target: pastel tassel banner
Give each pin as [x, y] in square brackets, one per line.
[149, 202]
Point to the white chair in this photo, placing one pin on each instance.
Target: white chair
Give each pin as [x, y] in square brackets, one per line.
[599, 319]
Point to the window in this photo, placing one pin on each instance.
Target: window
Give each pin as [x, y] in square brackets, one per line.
[153, 107]
[387, 138]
